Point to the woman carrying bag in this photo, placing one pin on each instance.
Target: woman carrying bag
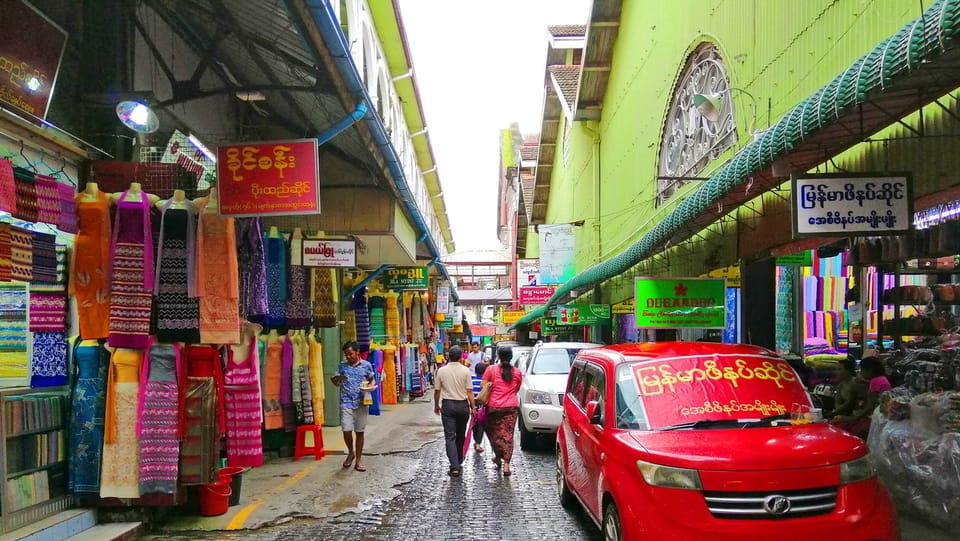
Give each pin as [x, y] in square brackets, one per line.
[502, 406]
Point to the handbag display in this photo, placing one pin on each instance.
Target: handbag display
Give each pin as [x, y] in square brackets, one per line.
[484, 395]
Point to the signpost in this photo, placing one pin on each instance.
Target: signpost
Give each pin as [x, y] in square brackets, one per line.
[851, 205]
[406, 278]
[672, 303]
[583, 314]
[269, 178]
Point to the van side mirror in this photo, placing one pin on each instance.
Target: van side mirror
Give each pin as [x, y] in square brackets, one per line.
[594, 412]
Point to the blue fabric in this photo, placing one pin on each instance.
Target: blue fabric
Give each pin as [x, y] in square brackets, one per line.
[48, 367]
[86, 423]
[351, 396]
[376, 357]
[276, 281]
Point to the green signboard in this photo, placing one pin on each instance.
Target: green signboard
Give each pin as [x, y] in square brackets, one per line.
[672, 303]
[406, 278]
[445, 324]
[583, 314]
[803, 259]
[548, 325]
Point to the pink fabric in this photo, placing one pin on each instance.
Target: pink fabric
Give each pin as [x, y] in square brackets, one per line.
[504, 393]
[241, 383]
[879, 384]
[8, 187]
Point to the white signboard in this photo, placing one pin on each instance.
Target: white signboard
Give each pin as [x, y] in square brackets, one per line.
[443, 299]
[329, 253]
[557, 253]
[851, 205]
[528, 272]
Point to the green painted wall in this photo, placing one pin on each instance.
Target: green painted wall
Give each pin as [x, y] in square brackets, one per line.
[780, 51]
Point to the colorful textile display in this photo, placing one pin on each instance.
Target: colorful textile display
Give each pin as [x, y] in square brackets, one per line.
[362, 316]
[68, 208]
[48, 199]
[14, 365]
[177, 307]
[325, 297]
[204, 415]
[272, 410]
[120, 476]
[48, 309]
[26, 188]
[43, 247]
[388, 386]
[90, 361]
[286, 385]
[132, 281]
[315, 367]
[6, 254]
[21, 254]
[90, 270]
[253, 270]
[378, 324]
[159, 426]
[243, 405]
[784, 308]
[299, 314]
[416, 319]
[391, 316]
[48, 368]
[8, 187]
[276, 280]
[217, 278]
[376, 360]
[303, 392]
[349, 326]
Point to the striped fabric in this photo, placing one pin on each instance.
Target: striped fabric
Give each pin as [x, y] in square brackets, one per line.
[48, 199]
[21, 254]
[159, 421]
[243, 405]
[8, 187]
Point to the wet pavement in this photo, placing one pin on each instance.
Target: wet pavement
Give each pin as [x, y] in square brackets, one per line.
[482, 504]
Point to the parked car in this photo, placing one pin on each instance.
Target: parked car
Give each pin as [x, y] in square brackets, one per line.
[690, 441]
[521, 354]
[541, 393]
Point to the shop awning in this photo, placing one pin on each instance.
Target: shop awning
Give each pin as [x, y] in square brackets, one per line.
[912, 68]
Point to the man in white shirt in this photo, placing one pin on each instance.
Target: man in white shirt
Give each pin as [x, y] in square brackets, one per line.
[455, 387]
[475, 356]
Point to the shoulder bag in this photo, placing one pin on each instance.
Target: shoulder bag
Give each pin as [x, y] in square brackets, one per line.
[485, 388]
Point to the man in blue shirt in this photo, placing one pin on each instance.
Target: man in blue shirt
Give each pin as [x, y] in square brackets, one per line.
[353, 373]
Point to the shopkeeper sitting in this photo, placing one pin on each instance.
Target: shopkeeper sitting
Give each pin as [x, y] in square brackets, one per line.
[872, 375]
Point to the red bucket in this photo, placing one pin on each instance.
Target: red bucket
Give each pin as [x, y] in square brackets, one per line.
[215, 497]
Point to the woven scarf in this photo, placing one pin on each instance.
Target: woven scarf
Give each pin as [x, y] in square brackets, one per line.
[26, 195]
[8, 187]
[48, 199]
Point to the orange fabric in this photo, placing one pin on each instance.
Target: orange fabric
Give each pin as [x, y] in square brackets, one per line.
[217, 279]
[272, 411]
[124, 368]
[389, 387]
[90, 266]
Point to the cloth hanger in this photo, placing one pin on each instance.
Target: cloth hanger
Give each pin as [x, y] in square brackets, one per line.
[24, 156]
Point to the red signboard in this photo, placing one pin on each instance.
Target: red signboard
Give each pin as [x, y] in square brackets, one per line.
[30, 50]
[275, 177]
[536, 294]
[718, 387]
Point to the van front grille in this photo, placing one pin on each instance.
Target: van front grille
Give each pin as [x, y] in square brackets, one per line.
[771, 505]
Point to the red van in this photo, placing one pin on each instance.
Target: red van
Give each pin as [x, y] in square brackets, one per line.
[693, 440]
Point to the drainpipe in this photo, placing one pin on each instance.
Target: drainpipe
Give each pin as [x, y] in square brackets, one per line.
[596, 331]
[339, 53]
[338, 128]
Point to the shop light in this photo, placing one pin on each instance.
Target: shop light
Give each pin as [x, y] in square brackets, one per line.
[34, 84]
[138, 116]
[202, 148]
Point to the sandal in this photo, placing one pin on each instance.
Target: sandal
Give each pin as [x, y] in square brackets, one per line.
[348, 462]
[477, 448]
[496, 460]
[454, 473]
[506, 469]
[358, 467]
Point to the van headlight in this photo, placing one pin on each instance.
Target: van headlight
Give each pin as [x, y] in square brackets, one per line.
[858, 470]
[667, 476]
[538, 397]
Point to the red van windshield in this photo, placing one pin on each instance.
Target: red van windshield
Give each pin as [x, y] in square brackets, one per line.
[665, 392]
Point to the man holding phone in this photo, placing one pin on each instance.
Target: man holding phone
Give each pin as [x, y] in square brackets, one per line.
[354, 377]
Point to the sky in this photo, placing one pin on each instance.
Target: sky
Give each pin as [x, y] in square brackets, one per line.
[479, 67]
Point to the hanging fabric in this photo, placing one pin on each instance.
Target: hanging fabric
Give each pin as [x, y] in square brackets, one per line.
[159, 421]
[26, 188]
[301, 378]
[48, 367]
[217, 277]
[131, 254]
[315, 367]
[21, 254]
[376, 360]
[378, 324]
[90, 362]
[177, 307]
[362, 316]
[253, 270]
[297, 309]
[203, 414]
[68, 207]
[388, 387]
[90, 265]
[286, 385]
[120, 477]
[48, 199]
[272, 410]
[243, 405]
[276, 279]
[325, 297]
[8, 187]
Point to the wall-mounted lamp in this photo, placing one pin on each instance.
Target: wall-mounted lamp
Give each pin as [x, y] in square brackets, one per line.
[711, 105]
[403, 76]
[428, 171]
[137, 116]
[419, 133]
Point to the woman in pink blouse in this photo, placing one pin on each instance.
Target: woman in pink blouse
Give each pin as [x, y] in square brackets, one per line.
[502, 407]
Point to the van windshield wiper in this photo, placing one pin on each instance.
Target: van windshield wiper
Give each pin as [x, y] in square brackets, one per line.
[704, 423]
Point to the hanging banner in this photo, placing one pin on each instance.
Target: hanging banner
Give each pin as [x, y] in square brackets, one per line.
[329, 253]
[672, 303]
[557, 253]
[548, 325]
[536, 294]
[443, 299]
[269, 178]
[583, 314]
[31, 47]
[624, 307]
[511, 317]
[850, 205]
[406, 278]
[191, 155]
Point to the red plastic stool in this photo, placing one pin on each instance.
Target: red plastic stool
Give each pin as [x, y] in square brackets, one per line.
[301, 448]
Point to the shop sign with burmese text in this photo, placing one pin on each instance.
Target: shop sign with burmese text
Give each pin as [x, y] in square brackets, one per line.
[673, 303]
[536, 294]
[329, 253]
[851, 205]
[406, 278]
[443, 300]
[31, 47]
[583, 314]
[268, 178]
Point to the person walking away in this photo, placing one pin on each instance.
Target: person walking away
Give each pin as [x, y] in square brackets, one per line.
[475, 356]
[476, 379]
[352, 373]
[455, 388]
[502, 407]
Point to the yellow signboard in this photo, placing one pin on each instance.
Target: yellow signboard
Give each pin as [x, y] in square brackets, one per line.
[731, 273]
[457, 329]
[624, 307]
[510, 317]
